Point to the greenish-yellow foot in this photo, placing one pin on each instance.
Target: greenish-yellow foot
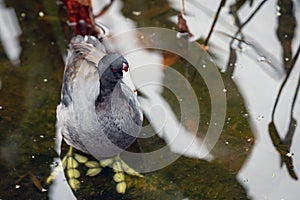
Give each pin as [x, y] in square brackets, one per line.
[71, 162]
[119, 167]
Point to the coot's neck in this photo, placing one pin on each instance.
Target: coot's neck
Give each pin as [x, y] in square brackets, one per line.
[106, 88]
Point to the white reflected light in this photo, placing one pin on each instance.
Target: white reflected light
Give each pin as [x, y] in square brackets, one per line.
[9, 33]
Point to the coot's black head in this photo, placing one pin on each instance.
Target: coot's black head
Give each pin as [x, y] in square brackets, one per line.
[111, 67]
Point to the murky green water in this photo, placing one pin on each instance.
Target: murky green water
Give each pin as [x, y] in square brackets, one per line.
[246, 164]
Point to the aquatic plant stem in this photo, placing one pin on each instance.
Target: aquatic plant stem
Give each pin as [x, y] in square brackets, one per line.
[251, 16]
[295, 57]
[283, 84]
[183, 7]
[223, 2]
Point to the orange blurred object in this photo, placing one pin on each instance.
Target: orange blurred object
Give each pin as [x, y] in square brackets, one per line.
[81, 17]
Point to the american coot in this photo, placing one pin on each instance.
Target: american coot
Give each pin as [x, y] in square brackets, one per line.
[98, 114]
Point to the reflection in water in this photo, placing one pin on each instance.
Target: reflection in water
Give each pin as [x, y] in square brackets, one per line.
[278, 142]
[285, 33]
[30, 94]
[282, 146]
[139, 60]
[286, 30]
[9, 33]
[254, 86]
[150, 88]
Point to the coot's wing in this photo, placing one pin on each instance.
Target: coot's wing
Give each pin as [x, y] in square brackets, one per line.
[89, 49]
[80, 89]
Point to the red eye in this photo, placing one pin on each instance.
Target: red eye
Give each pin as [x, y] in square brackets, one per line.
[114, 69]
[125, 67]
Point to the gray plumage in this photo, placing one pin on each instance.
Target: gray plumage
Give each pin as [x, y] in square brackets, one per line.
[98, 114]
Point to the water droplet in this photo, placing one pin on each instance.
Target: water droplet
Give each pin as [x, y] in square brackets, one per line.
[54, 164]
[226, 142]
[42, 136]
[232, 77]
[23, 14]
[278, 7]
[203, 65]
[261, 59]
[41, 14]
[225, 90]
[17, 186]
[289, 154]
[45, 80]
[136, 13]
[259, 117]
[1, 107]
[286, 59]
[278, 13]
[246, 115]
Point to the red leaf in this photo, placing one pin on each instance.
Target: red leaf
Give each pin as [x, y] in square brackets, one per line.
[81, 17]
